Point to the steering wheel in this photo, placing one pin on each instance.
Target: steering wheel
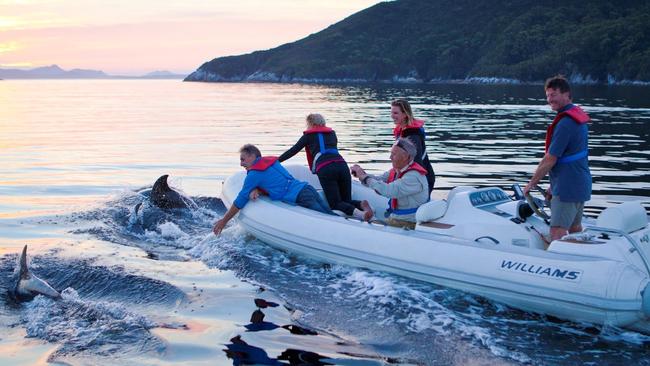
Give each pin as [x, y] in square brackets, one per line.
[537, 204]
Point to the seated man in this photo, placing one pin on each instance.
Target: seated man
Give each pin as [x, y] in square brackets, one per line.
[267, 174]
[405, 185]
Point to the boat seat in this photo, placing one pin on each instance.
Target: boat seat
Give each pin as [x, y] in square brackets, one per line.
[431, 210]
[626, 217]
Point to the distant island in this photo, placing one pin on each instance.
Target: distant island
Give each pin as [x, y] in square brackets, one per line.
[590, 41]
[162, 74]
[55, 72]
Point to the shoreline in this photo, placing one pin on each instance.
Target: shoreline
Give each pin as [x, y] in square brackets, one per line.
[268, 77]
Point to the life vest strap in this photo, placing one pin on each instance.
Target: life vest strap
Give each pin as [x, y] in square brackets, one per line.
[321, 142]
[405, 211]
[323, 150]
[324, 164]
[573, 157]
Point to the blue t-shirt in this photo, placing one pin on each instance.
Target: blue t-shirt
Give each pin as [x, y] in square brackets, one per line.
[275, 180]
[571, 181]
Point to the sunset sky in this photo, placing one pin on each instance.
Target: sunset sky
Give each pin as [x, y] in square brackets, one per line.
[134, 37]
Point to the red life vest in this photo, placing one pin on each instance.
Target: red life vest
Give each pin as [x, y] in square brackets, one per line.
[393, 176]
[263, 163]
[575, 113]
[317, 129]
[416, 124]
[309, 153]
[323, 150]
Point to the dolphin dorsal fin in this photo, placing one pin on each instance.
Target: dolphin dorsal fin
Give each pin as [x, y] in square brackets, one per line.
[24, 271]
[161, 184]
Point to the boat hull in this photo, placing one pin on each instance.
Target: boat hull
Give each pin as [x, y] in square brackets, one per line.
[577, 288]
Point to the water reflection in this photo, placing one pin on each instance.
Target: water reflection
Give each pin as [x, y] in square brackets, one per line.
[257, 322]
[74, 137]
[242, 352]
[298, 357]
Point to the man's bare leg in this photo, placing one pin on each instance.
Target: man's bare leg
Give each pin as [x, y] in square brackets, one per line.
[558, 232]
[575, 228]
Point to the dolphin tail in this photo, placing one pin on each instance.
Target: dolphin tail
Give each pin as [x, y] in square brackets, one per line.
[29, 284]
[24, 271]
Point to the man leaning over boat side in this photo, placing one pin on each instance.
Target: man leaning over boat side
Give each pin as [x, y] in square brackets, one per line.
[405, 184]
[565, 160]
[267, 174]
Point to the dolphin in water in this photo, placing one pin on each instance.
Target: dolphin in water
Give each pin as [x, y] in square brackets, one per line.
[164, 196]
[28, 285]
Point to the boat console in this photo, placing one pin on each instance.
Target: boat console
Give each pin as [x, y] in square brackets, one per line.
[488, 216]
[484, 215]
[488, 197]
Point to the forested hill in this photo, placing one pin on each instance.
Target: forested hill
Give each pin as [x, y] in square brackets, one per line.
[428, 40]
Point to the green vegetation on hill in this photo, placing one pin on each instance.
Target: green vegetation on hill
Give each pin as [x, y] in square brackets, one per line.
[527, 40]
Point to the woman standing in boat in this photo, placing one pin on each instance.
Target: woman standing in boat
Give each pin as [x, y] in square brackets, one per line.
[413, 129]
[319, 142]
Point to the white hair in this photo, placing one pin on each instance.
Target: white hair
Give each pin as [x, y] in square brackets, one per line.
[316, 119]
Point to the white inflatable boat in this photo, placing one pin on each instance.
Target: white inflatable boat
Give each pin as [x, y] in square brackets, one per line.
[477, 241]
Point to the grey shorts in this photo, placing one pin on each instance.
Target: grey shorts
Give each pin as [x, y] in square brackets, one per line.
[566, 214]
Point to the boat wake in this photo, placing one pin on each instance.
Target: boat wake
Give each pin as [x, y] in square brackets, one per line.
[413, 319]
[95, 328]
[131, 219]
[394, 315]
[91, 318]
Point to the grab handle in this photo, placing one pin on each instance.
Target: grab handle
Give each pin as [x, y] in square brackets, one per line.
[487, 237]
[634, 243]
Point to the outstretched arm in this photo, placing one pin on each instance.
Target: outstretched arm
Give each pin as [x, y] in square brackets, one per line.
[294, 149]
[220, 224]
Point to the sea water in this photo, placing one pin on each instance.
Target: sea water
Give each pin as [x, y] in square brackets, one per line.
[153, 287]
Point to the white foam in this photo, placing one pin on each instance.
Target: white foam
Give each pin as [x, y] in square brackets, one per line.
[210, 248]
[170, 230]
[77, 321]
[70, 294]
[379, 289]
[615, 334]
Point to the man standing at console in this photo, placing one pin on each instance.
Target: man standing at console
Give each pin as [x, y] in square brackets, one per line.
[565, 159]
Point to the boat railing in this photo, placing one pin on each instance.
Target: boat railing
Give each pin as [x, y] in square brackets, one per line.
[635, 245]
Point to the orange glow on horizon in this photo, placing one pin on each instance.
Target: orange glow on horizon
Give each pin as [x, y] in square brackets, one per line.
[132, 38]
